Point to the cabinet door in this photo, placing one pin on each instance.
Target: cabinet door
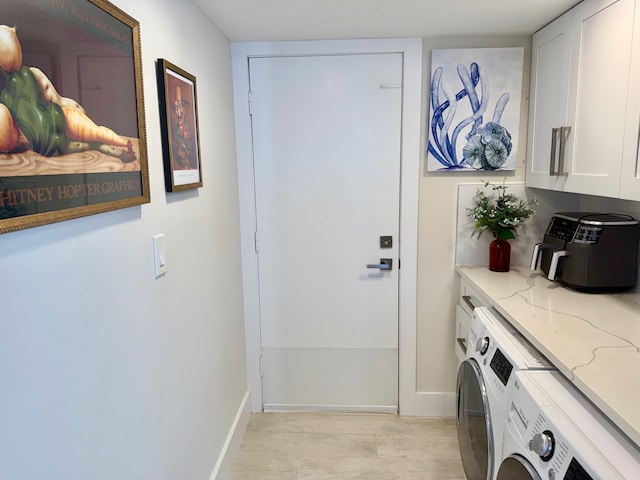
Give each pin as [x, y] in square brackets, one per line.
[599, 86]
[630, 179]
[550, 64]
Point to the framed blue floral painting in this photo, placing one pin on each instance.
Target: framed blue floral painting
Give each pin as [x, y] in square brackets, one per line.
[474, 96]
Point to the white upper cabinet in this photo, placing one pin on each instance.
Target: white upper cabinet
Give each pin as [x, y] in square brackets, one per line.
[549, 97]
[630, 178]
[588, 146]
[599, 86]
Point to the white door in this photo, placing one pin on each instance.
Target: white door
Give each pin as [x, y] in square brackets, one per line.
[326, 139]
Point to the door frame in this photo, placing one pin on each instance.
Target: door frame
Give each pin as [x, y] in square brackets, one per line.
[409, 182]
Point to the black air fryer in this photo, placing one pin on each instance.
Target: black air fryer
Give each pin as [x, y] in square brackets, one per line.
[590, 252]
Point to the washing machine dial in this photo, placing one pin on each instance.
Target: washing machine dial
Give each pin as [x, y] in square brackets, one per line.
[482, 345]
[543, 445]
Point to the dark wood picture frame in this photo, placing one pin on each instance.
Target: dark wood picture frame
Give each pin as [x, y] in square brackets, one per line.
[179, 122]
[78, 146]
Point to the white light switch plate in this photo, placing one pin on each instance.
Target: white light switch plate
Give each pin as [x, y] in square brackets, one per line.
[159, 254]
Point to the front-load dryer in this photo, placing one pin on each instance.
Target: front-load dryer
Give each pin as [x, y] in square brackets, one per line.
[553, 433]
[495, 351]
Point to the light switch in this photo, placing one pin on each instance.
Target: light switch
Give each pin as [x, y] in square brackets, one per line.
[159, 255]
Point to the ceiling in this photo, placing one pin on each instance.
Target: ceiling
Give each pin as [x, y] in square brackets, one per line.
[266, 20]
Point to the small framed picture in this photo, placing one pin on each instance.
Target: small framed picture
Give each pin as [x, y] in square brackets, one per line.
[179, 122]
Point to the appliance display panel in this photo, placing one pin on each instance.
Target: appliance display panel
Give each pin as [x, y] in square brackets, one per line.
[576, 472]
[501, 366]
[562, 228]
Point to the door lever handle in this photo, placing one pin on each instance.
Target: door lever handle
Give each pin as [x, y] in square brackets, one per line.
[385, 264]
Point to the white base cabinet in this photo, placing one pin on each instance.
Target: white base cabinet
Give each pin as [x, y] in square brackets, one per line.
[467, 301]
[585, 101]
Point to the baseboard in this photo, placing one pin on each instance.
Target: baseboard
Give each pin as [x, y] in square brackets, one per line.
[222, 470]
[286, 407]
[431, 404]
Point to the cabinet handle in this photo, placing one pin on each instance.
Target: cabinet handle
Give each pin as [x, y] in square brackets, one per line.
[638, 153]
[463, 344]
[468, 300]
[552, 161]
[564, 133]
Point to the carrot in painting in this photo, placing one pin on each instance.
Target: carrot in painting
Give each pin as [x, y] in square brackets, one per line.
[81, 127]
[9, 132]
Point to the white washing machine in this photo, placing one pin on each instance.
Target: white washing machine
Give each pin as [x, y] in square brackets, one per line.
[553, 433]
[495, 352]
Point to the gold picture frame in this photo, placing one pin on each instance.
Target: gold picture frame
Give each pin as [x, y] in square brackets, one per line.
[77, 142]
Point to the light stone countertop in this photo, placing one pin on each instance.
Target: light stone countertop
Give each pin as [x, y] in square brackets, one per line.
[593, 339]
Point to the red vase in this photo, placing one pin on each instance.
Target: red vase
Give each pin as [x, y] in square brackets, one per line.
[499, 255]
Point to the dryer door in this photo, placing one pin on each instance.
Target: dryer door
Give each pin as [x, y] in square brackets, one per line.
[475, 435]
[516, 467]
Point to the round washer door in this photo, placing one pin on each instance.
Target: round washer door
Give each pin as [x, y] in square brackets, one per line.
[475, 434]
[516, 467]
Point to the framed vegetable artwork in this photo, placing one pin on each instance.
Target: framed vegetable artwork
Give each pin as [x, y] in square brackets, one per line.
[179, 119]
[72, 126]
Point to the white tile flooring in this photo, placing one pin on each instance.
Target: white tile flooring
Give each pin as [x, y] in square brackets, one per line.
[326, 446]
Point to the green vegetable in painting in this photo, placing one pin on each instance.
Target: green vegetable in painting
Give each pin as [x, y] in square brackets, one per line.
[42, 122]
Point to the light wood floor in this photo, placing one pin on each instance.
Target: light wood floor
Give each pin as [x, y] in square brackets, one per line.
[325, 446]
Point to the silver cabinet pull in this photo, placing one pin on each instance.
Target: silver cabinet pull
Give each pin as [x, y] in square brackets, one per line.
[638, 152]
[469, 301]
[552, 160]
[564, 133]
[463, 344]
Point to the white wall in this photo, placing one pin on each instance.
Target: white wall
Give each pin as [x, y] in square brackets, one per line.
[106, 372]
[437, 282]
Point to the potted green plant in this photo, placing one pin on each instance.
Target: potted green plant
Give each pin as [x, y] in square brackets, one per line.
[499, 213]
